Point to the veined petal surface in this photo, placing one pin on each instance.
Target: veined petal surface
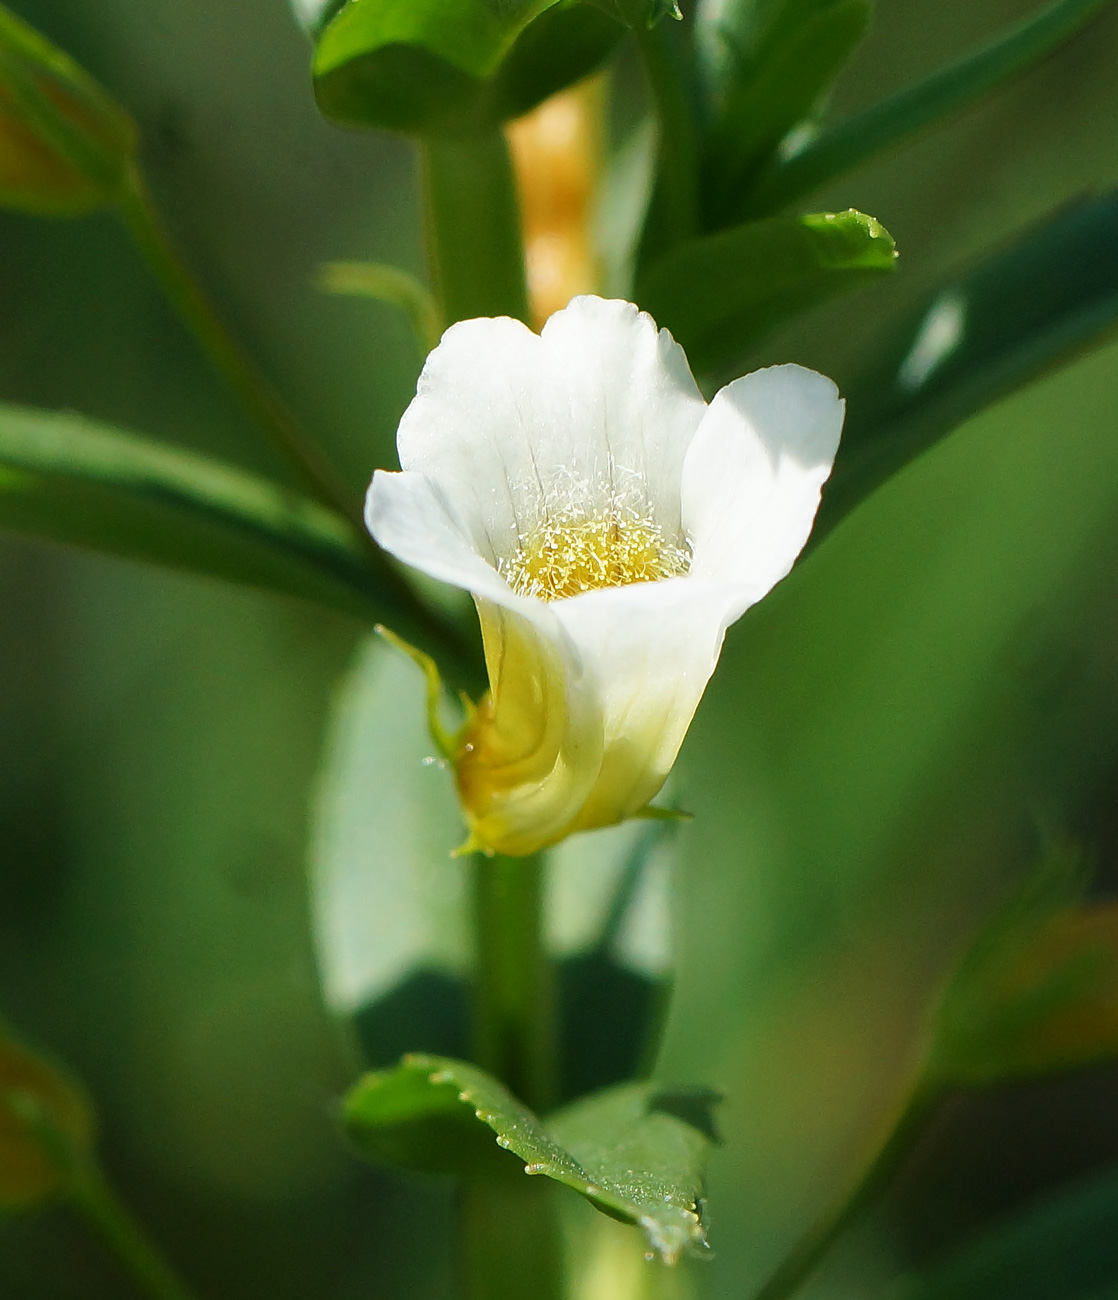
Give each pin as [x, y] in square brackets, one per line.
[511, 425]
[589, 450]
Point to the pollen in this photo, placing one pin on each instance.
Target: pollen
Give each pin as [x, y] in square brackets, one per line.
[569, 553]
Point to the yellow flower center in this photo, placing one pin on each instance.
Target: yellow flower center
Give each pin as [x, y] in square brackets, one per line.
[571, 553]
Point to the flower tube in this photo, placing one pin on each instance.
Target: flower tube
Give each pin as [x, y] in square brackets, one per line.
[610, 525]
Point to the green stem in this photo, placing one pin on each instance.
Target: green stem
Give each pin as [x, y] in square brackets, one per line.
[472, 221]
[510, 1242]
[514, 1017]
[140, 214]
[674, 211]
[510, 1246]
[92, 1195]
[810, 1251]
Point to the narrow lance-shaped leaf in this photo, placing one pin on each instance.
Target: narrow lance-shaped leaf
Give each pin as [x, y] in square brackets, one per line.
[72, 480]
[845, 145]
[65, 146]
[720, 294]
[765, 102]
[1051, 294]
[636, 1152]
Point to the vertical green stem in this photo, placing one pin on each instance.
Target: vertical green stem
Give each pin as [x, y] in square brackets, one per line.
[229, 358]
[514, 1018]
[474, 240]
[510, 1247]
[510, 1242]
[810, 1251]
[105, 1212]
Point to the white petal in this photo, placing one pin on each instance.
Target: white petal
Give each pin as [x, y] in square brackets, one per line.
[508, 424]
[408, 517]
[754, 473]
[651, 647]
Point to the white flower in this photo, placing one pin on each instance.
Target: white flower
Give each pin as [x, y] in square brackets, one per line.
[610, 525]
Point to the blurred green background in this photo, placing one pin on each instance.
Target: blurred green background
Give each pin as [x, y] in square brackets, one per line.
[869, 772]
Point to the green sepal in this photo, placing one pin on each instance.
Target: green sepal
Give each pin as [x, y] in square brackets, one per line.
[636, 1152]
[720, 294]
[651, 813]
[448, 741]
[65, 147]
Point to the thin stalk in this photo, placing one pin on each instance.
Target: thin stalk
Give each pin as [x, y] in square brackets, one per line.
[514, 1013]
[106, 1213]
[509, 1236]
[810, 1251]
[510, 1243]
[143, 220]
[674, 213]
[472, 220]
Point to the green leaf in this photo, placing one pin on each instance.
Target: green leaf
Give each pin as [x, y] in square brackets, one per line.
[35, 1095]
[640, 13]
[720, 294]
[65, 146]
[1063, 1249]
[764, 103]
[72, 480]
[635, 1152]
[563, 45]
[849, 143]
[392, 285]
[1047, 297]
[437, 66]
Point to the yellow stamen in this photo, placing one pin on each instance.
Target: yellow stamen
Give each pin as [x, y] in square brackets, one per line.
[569, 554]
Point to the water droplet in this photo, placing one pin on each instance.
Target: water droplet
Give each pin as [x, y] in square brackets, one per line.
[504, 1142]
[649, 1256]
[430, 761]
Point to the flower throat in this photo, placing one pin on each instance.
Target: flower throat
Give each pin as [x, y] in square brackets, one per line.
[570, 552]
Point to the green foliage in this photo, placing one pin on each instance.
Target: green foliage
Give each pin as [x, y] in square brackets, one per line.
[1065, 1248]
[73, 480]
[772, 93]
[636, 1152]
[1049, 295]
[1038, 992]
[41, 1109]
[641, 13]
[431, 67]
[389, 284]
[842, 147]
[65, 146]
[564, 44]
[721, 293]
